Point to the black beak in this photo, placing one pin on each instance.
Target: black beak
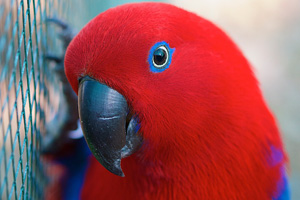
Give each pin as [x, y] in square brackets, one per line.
[107, 123]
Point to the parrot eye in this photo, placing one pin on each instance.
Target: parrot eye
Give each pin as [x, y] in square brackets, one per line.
[160, 57]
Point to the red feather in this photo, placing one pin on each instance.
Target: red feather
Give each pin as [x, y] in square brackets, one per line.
[207, 130]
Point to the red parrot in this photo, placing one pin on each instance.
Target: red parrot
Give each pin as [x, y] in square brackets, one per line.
[170, 95]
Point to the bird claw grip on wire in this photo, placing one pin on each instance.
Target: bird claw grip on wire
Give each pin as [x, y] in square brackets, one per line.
[65, 121]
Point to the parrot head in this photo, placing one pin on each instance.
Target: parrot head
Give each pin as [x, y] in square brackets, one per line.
[169, 85]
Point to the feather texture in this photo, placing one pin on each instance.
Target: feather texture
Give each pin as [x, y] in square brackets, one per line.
[207, 131]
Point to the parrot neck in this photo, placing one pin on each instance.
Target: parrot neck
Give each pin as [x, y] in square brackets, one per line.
[163, 168]
[220, 160]
[202, 166]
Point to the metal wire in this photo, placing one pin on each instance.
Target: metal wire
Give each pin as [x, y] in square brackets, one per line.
[26, 94]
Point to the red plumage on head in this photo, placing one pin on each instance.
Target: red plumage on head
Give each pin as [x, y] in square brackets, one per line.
[207, 131]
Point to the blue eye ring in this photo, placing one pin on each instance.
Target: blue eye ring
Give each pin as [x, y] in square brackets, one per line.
[160, 49]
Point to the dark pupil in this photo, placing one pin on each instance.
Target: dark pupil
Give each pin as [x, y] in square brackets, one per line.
[159, 56]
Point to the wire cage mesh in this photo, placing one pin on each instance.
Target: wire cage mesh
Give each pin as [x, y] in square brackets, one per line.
[27, 93]
[29, 90]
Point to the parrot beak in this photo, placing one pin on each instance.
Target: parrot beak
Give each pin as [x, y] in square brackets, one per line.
[107, 124]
